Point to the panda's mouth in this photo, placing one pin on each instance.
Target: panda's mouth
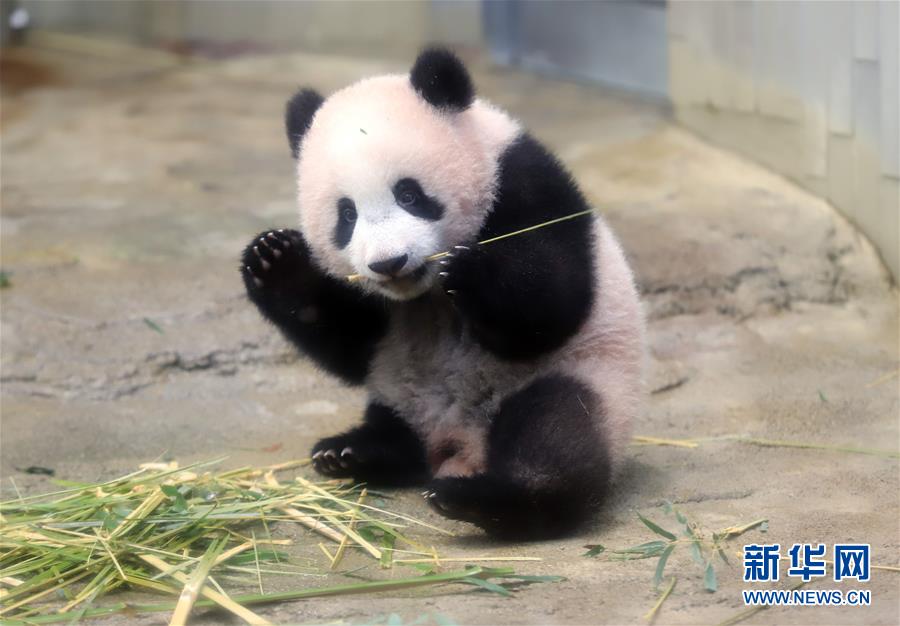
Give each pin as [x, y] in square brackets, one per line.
[408, 279]
[403, 285]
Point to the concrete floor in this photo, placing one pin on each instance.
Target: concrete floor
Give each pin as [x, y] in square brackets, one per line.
[130, 187]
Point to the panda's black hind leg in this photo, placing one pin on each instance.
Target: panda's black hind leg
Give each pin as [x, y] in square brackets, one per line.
[383, 450]
[547, 466]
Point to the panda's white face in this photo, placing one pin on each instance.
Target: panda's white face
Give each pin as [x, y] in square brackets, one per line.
[386, 234]
[386, 180]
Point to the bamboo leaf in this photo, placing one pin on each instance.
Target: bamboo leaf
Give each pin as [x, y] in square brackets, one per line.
[593, 549]
[721, 552]
[657, 529]
[650, 548]
[661, 565]
[709, 578]
[153, 325]
[695, 552]
[179, 505]
[264, 556]
[387, 550]
[535, 579]
[488, 585]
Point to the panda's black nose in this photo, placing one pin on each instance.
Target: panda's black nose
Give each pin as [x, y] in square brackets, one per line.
[389, 267]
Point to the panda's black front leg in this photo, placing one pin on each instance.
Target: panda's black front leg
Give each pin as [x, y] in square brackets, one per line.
[524, 296]
[329, 320]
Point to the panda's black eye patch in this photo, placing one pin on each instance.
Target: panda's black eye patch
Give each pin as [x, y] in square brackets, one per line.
[343, 230]
[410, 197]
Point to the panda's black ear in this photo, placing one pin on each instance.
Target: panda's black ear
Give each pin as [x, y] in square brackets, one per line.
[442, 80]
[298, 116]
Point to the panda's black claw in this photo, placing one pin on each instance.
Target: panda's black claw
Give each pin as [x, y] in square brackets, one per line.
[278, 244]
[256, 279]
[474, 499]
[430, 496]
[436, 503]
[263, 263]
[269, 245]
[386, 455]
[334, 459]
[462, 277]
[279, 237]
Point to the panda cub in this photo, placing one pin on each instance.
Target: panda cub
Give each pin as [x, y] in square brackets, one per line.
[504, 376]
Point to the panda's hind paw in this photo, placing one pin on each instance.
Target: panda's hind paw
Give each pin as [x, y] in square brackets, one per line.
[460, 499]
[335, 462]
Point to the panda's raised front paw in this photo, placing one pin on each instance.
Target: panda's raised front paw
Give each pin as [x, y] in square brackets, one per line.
[274, 261]
[461, 271]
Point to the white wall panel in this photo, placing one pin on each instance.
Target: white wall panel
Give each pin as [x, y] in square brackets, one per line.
[808, 88]
[865, 29]
[889, 62]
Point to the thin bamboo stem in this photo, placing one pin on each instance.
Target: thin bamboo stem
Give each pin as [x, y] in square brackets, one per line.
[521, 231]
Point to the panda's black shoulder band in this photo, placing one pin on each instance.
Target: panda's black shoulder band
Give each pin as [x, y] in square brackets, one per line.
[441, 78]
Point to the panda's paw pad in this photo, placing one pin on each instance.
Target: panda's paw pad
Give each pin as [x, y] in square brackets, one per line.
[273, 258]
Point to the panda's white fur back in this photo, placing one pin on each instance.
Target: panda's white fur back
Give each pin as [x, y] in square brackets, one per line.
[608, 352]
